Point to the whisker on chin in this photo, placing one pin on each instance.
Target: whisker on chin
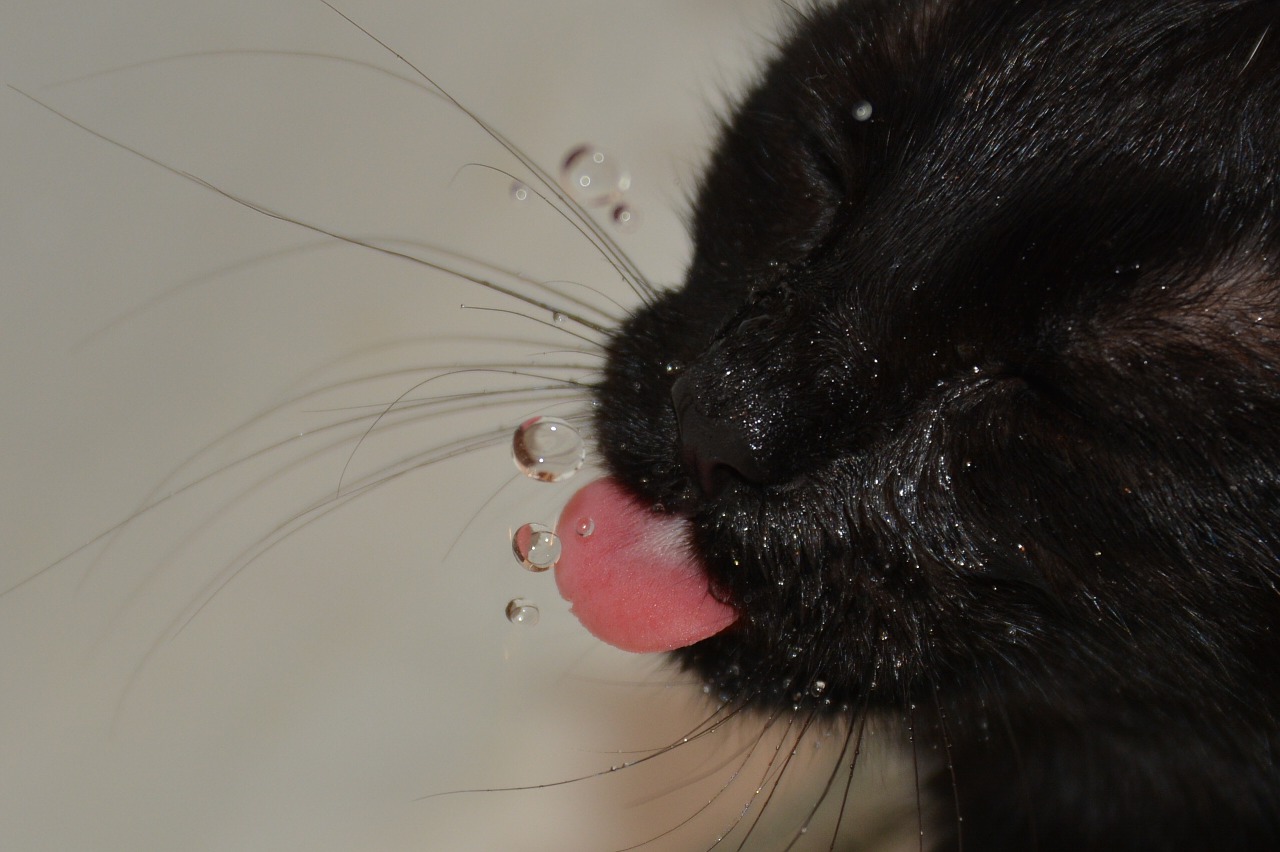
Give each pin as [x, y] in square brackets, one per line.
[777, 775]
[848, 782]
[747, 752]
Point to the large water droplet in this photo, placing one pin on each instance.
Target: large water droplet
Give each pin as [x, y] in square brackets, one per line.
[536, 547]
[592, 177]
[547, 449]
[862, 111]
[521, 611]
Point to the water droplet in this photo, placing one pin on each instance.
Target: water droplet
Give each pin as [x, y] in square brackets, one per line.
[536, 547]
[558, 318]
[817, 687]
[592, 177]
[862, 110]
[585, 527]
[519, 192]
[520, 611]
[626, 218]
[547, 449]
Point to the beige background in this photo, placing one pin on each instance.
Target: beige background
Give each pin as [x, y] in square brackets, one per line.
[365, 662]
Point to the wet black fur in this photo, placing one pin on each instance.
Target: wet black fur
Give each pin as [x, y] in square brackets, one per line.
[986, 411]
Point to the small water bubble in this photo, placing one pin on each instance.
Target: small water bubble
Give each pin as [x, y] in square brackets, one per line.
[519, 192]
[536, 547]
[592, 177]
[862, 111]
[817, 688]
[626, 218]
[585, 527]
[547, 449]
[558, 318]
[521, 611]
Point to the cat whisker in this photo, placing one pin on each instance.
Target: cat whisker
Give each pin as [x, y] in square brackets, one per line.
[583, 352]
[195, 281]
[348, 239]
[413, 403]
[708, 726]
[623, 311]
[301, 519]
[284, 530]
[499, 397]
[516, 313]
[415, 461]
[768, 773]
[776, 775]
[243, 52]
[747, 752]
[428, 86]
[951, 766]
[571, 211]
[392, 406]
[848, 782]
[522, 278]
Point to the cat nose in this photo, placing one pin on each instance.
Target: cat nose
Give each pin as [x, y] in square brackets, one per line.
[716, 449]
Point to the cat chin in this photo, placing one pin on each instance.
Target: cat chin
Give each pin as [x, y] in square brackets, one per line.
[630, 574]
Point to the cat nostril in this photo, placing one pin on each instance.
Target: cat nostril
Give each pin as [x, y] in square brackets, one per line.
[715, 450]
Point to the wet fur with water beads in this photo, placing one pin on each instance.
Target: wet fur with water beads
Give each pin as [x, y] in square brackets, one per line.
[967, 414]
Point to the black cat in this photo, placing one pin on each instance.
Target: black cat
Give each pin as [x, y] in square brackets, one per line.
[969, 409]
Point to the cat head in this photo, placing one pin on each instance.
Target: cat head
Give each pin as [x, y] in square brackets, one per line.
[973, 375]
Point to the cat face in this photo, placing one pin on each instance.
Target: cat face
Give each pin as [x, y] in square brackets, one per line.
[972, 378]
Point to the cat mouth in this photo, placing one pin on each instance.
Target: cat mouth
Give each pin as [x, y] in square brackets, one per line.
[630, 573]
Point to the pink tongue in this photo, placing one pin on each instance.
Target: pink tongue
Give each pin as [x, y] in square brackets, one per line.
[633, 581]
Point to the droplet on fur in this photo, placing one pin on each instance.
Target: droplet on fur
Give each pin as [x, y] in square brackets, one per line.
[519, 192]
[521, 611]
[585, 527]
[536, 547]
[862, 111]
[547, 449]
[626, 218]
[592, 177]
